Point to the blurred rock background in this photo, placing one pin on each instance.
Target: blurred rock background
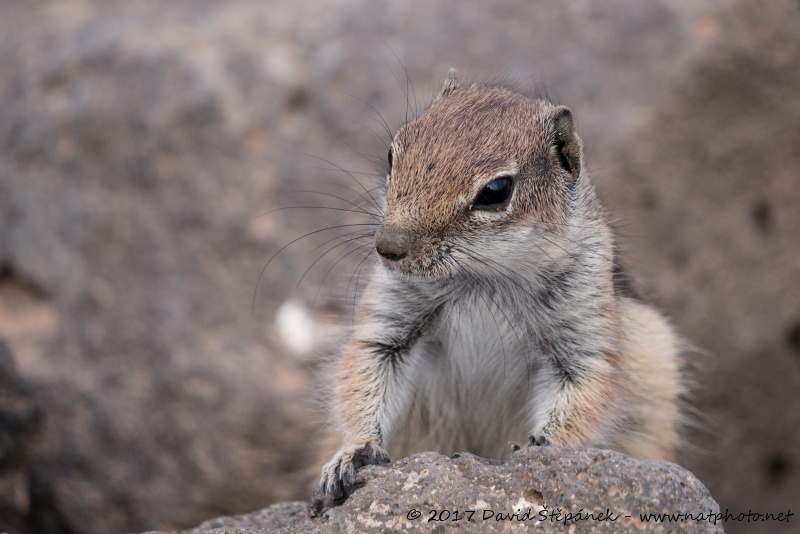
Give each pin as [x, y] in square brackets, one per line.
[141, 141]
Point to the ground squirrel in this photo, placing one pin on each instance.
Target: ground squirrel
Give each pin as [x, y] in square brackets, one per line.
[497, 311]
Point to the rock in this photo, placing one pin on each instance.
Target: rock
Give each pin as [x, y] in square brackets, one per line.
[550, 488]
[713, 171]
[20, 419]
[280, 517]
[140, 142]
[133, 160]
[26, 506]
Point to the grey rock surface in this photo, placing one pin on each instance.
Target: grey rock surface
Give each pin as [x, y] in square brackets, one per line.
[552, 488]
[20, 420]
[27, 505]
[140, 142]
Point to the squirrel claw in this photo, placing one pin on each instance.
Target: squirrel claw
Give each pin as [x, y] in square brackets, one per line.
[537, 441]
[339, 475]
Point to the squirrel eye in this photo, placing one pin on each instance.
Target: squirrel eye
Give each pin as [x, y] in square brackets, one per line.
[391, 157]
[496, 193]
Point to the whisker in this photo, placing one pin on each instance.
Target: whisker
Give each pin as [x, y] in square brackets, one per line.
[350, 202]
[585, 246]
[345, 242]
[358, 270]
[373, 202]
[570, 254]
[361, 212]
[370, 106]
[261, 274]
[342, 236]
[334, 265]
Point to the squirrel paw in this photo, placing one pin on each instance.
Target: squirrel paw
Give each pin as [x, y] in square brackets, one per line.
[537, 441]
[339, 475]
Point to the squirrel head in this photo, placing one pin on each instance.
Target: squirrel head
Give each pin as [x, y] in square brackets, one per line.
[480, 172]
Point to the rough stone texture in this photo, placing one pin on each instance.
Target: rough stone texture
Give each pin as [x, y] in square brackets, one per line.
[132, 163]
[26, 504]
[139, 142]
[280, 517]
[718, 188]
[544, 482]
[20, 419]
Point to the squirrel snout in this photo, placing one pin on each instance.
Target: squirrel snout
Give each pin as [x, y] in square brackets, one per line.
[393, 243]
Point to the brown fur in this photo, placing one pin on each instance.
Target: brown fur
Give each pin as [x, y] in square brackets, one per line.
[486, 322]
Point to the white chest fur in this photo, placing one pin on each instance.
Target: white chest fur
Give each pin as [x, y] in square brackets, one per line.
[473, 382]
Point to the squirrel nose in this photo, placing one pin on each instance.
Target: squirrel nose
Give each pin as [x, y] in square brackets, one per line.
[393, 243]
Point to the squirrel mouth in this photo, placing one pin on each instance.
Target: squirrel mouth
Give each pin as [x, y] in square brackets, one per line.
[422, 268]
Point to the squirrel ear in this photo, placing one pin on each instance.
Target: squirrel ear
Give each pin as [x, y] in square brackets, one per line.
[450, 83]
[566, 143]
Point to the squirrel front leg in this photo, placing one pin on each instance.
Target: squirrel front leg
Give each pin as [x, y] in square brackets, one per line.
[373, 379]
[574, 400]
